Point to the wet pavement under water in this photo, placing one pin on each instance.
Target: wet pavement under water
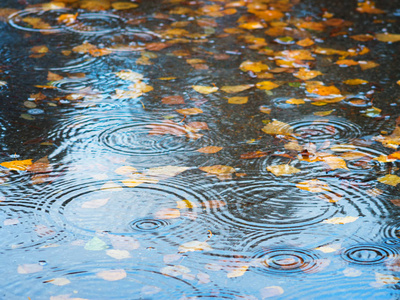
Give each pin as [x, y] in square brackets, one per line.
[120, 204]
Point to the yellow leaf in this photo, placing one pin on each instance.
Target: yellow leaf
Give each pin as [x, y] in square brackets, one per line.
[355, 81]
[112, 275]
[266, 85]
[218, 169]
[42, 49]
[340, 220]
[284, 169]
[305, 74]
[255, 67]
[205, 89]
[313, 185]
[295, 101]
[95, 203]
[329, 248]
[17, 165]
[166, 171]
[382, 279]
[335, 162]
[390, 179]
[129, 75]
[166, 78]
[189, 111]
[141, 87]
[238, 100]
[277, 127]
[210, 149]
[237, 272]
[84, 48]
[387, 37]
[236, 88]
[125, 170]
[123, 5]
[184, 204]
[194, 246]
[167, 213]
[323, 113]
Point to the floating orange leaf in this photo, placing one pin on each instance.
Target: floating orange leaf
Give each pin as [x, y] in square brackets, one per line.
[284, 169]
[305, 74]
[313, 185]
[323, 90]
[238, 100]
[306, 42]
[255, 67]
[205, 89]
[237, 272]
[335, 162]
[388, 37]
[346, 62]
[362, 37]
[266, 85]
[218, 169]
[365, 65]
[210, 149]
[236, 88]
[194, 246]
[390, 179]
[277, 127]
[340, 220]
[189, 111]
[355, 81]
[17, 165]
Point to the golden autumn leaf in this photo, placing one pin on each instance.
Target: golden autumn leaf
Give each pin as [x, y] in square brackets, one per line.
[218, 169]
[194, 246]
[266, 85]
[323, 113]
[237, 272]
[284, 169]
[322, 90]
[210, 149]
[17, 165]
[390, 179]
[365, 65]
[355, 81]
[295, 101]
[335, 162]
[346, 62]
[255, 67]
[37, 23]
[189, 111]
[129, 75]
[123, 5]
[112, 275]
[238, 100]
[305, 74]
[278, 127]
[184, 204]
[340, 220]
[84, 48]
[167, 213]
[236, 88]
[305, 42]
[313, 185]
[368, 7]
[362, 37]
[205, 89]
[387, 37]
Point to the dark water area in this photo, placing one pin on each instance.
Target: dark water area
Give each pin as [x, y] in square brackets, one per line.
[199, 149]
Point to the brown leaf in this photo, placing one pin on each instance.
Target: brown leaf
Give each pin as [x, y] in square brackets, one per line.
[210, 149]
[173, 100]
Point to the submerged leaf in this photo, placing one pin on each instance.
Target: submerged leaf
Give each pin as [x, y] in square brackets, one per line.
[340, 220]
[112, 275]
[194, 246]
